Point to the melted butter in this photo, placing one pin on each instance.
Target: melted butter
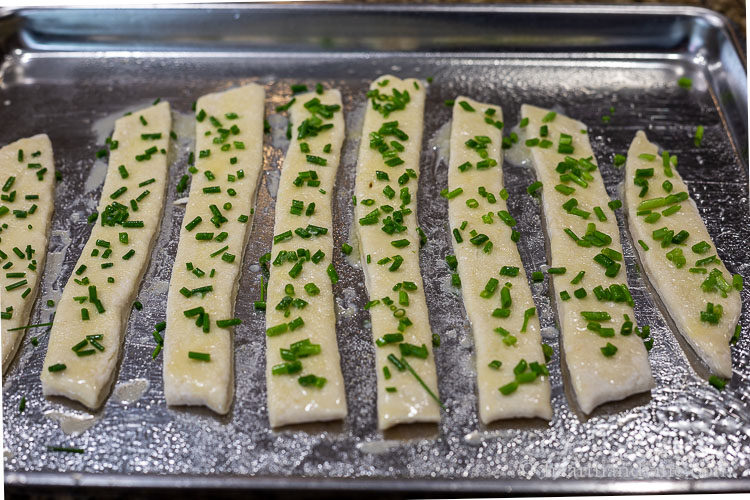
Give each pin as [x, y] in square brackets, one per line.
[440, 142]
[278, 131]
[130, 391]
[349, 156]
[354, 125]
[474, 438]
[72, 424]
[182, 125]
[272, 182]
[519, 155]
[346, 305]
[353, 258]
[157, 287]
[103, 127]
[59, 240]
[96, 176]
[378, 447]
[550, 332]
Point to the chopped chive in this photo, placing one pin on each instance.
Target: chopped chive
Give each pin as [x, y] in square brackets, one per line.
[406, 364]
[466, 106]
[223, 323]
[527, 314]
[549, 117]
[534, 187]
[698, 138]
[717, 382]
[685, 83]
[614, 204]
[29, 326]
[509, 388]
[193, 223]
[738, 282]
[509, 271]
[118, 192]
[451, 194]
[609, 350]
[199, 356]
[578, 278]
[332, 274]
[65, 449]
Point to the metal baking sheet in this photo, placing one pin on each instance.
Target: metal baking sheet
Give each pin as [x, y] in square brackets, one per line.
[70, 72]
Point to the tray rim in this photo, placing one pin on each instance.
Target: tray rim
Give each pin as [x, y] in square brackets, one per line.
[340, 485]
[716, 19]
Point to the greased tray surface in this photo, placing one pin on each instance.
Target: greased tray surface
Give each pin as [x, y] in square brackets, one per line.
[70, 73]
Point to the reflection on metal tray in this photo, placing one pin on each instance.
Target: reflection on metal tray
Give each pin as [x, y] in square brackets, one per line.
[67, 72]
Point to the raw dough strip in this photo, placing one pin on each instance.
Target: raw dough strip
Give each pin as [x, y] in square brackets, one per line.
[83, 353]
[606, 359]
[303, 372]
[678, 271]
[198, 354]
[387, 176]
[28, 185]
[490, 257]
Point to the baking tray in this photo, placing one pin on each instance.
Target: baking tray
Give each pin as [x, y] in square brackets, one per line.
[70, 72]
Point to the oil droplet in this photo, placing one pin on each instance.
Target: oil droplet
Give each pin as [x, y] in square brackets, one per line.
[130, 391]
[72, 424]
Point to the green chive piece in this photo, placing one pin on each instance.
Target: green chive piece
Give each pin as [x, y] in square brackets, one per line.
[406, 364]
[466, 106]
[509, 388]
[534, 187]
[527, 314]
[199, 356]
[698, 139]
[685, 83]
[717, 382]
[609, 350]
[65, 449]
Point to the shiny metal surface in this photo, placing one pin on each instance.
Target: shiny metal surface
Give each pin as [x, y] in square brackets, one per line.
[69, 72]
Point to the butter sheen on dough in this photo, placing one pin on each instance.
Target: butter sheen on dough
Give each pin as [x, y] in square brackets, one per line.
[410, 402]
[88, 379]
[595, 378]
[288, 401]
[476, 267]
[18, 235]
[189, 381]
[678, 288]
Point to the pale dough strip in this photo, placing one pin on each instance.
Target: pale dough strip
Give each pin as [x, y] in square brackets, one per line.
[410, 402]
[189, 381]
[475, 268]
[595, 377]
[36, 151]
[88, 379]
[288, 401]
